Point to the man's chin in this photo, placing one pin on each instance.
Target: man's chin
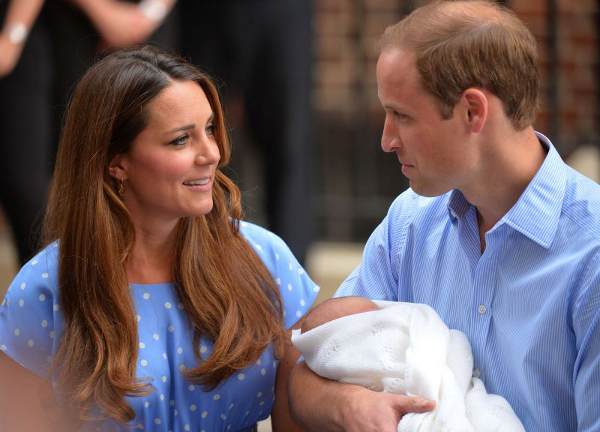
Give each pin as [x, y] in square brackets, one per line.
[428, 191]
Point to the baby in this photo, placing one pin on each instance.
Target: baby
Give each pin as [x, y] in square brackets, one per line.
[403, 348]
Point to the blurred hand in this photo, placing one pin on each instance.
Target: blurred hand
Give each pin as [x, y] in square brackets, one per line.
[369, 411]
[9, 55]
[124, 24]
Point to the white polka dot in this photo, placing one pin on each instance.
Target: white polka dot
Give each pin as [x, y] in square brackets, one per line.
[44, 275]
[171, 328]
[52, 334]
[21, 302]
[44, 324]
[138, 318]
[179, 350]
[146, 404]
[163, 378]
[217, 396]
[175, 413]
[30, 343]
[193, 407]
[164, 355]
[142, 345]
[204, 414]
[302, 302]
[181, 367]
[191, 387]
[300, 271]
[157, 421]
[146, 296]
[246, 413]
[17, 332]
[263, 371]
[3, 348]
[258, 247]
[168, 305]
[155, 336]
[56, 308]
[144, 363]
[259, 394]
[258, 362]
[278, 281]
[23, 285]
[290, 265]
[261, 403]
[230, 406]
[186, 427]
[223, 417]
[316, 288]
[241, 377]
[203, 349]
[298, 313]
[42, 297]
[276, 256]
[228, 427]
[162, 397]
[289, 287]
[34, 262]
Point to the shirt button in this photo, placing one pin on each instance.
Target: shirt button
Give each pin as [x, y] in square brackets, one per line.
[482, 309]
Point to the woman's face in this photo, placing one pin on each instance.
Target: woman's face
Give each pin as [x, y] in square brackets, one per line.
[170, 169]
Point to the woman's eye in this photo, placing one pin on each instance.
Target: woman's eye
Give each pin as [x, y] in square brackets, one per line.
[181, 140]
[210, 129]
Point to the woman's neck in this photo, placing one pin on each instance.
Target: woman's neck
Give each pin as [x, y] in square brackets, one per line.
[152, 256]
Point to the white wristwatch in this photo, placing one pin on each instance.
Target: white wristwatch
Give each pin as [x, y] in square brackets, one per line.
[17, 33]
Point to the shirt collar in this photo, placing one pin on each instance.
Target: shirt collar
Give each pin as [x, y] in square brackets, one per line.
[537, 211]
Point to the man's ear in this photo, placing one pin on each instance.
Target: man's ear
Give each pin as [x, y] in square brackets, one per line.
[117, 168]
[476, 103]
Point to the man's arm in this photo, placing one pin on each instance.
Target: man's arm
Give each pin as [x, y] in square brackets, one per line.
[323, 405]
[586, 323]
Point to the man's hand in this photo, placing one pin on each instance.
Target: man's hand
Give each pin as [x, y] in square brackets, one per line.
[369, 411]
[323, 405]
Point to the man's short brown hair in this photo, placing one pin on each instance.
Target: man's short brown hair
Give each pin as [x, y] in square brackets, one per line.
[463, 44]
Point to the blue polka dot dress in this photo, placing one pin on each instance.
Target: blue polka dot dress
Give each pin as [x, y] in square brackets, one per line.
[31, 325]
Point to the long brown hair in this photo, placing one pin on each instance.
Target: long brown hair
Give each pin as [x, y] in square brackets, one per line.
[228, 294]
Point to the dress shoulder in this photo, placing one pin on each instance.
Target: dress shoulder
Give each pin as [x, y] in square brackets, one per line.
[30, 313]
[297, 289]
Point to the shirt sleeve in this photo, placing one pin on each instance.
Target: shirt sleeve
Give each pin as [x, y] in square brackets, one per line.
[27, 325]
[297, 289]
[376, 277]
[586, 324]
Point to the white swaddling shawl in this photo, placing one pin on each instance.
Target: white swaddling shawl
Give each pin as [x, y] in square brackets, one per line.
[405, 348]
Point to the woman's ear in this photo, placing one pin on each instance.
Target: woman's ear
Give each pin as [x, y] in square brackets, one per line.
[477, 109]
[117, 168]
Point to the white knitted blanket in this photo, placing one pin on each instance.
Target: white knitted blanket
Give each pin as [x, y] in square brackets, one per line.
[405, 348]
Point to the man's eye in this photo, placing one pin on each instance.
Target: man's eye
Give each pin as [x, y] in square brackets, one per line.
[181, 140]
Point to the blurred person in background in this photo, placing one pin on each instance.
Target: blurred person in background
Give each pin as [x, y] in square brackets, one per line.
[153, 305]
[44, 49]
[261, 50]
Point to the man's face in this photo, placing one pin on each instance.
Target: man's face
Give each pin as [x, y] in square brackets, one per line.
[434, 153]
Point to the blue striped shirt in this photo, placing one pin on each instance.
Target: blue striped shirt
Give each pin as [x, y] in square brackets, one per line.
[530, 304]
